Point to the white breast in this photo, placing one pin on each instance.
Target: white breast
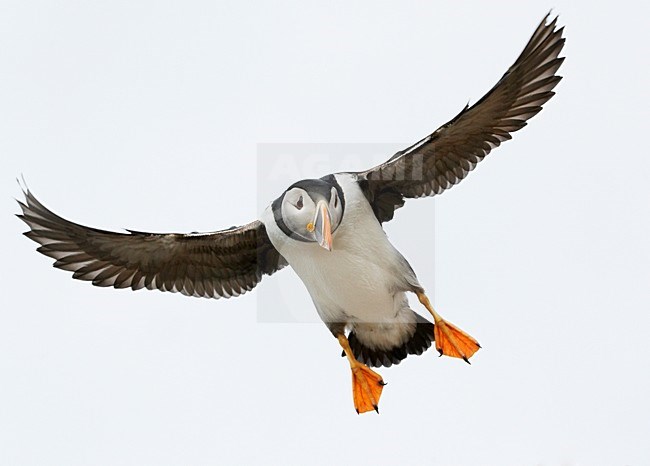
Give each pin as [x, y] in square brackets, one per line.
[363, 278]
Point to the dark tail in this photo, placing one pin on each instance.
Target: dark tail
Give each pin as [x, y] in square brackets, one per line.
[417, 344]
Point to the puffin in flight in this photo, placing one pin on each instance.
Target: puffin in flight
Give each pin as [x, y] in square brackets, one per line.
[329, 230]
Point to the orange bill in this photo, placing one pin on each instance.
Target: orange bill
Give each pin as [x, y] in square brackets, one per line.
[323, 226]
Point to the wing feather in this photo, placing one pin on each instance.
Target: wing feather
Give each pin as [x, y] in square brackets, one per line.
[212, 265]
[445, 157]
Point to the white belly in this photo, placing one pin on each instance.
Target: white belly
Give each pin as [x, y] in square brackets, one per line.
[363, 278]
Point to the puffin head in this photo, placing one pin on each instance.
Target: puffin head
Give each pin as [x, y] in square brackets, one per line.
[311, 211]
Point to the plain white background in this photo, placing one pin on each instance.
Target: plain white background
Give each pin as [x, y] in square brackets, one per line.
[148, 115]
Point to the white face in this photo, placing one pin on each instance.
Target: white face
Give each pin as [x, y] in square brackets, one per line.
[301, 214]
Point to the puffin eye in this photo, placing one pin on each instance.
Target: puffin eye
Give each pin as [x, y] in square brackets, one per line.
[299, 203]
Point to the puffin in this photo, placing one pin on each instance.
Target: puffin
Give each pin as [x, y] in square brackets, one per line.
[329, 231]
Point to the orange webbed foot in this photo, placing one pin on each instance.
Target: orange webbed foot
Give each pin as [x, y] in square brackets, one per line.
[367, 386]
[452, 341]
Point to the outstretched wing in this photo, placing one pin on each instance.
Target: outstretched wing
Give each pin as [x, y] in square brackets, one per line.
[220, 264]
[446, 156]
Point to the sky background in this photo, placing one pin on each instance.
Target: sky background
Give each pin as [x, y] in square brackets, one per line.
[151, 115]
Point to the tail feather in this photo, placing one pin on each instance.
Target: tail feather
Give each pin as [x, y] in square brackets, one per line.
[419, 342]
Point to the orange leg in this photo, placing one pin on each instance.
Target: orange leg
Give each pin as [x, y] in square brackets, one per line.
[367, 385]
[450, 340]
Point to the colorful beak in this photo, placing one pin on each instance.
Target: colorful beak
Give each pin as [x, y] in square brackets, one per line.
[323, 226]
